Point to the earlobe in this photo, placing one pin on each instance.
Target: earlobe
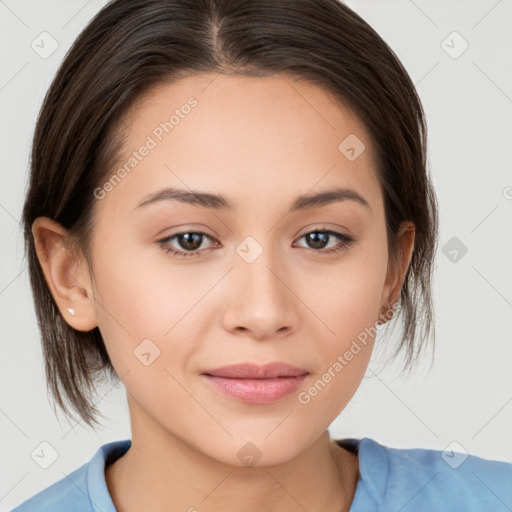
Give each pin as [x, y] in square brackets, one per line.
[67, 278]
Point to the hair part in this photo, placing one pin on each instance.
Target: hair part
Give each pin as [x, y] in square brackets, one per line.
[131, 46]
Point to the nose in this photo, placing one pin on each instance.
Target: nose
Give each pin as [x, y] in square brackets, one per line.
[262, 303]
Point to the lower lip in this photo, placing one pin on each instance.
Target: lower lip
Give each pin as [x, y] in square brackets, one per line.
[256, 391]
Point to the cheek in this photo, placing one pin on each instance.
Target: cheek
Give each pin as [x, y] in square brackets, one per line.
[130, 308]
[328, 392]
[348, 302]
[349, 305]
[347, 298]
[144, 306]
[135, 294]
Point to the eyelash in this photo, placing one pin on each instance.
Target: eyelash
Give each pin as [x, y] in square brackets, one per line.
[346, 241]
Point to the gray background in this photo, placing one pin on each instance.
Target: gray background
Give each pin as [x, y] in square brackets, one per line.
[465, 398]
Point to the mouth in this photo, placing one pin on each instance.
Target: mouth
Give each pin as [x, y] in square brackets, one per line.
[255, 384]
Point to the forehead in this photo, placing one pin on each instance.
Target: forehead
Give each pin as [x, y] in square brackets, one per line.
[248, 135]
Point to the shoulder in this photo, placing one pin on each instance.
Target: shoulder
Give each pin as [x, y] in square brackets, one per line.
[83, 490]
[70, 491]
[426, 479]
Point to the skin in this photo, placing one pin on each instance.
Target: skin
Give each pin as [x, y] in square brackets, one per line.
[260, 142]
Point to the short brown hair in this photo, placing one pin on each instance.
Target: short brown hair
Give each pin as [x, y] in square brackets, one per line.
[132, 45]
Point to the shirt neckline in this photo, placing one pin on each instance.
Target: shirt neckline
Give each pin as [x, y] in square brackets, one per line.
[373, 471]
[97, 490]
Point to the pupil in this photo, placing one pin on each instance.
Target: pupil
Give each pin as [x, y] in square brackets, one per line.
[192, 241]
[318, 240]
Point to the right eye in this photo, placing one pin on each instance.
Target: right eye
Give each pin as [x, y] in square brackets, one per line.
[190, 241]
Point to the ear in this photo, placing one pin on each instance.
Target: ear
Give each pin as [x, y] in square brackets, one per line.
[397, 270]
[67, 277]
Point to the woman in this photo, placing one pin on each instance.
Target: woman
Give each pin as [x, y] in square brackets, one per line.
[226, 199]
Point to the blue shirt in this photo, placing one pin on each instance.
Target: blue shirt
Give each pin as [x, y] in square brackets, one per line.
[392, 479]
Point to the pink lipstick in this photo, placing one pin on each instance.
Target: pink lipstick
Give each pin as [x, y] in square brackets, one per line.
[256, 384]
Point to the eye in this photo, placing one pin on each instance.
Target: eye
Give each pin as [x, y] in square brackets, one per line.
[318, 239]
[191, 242]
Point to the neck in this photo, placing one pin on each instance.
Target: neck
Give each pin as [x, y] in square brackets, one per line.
[162, 472]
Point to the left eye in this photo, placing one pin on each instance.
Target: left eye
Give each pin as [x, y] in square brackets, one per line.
[319, 237]
[191, 241]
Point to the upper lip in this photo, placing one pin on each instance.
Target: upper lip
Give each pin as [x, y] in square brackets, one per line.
[253, 371]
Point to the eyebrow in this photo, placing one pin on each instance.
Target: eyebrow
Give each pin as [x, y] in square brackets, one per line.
[218, 202]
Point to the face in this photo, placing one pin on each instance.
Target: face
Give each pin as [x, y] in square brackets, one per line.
[254, 279]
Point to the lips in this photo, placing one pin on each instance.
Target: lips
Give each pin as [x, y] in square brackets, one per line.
[255, 384]
[252, 371]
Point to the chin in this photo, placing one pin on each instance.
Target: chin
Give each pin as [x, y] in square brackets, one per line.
[256, 450]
